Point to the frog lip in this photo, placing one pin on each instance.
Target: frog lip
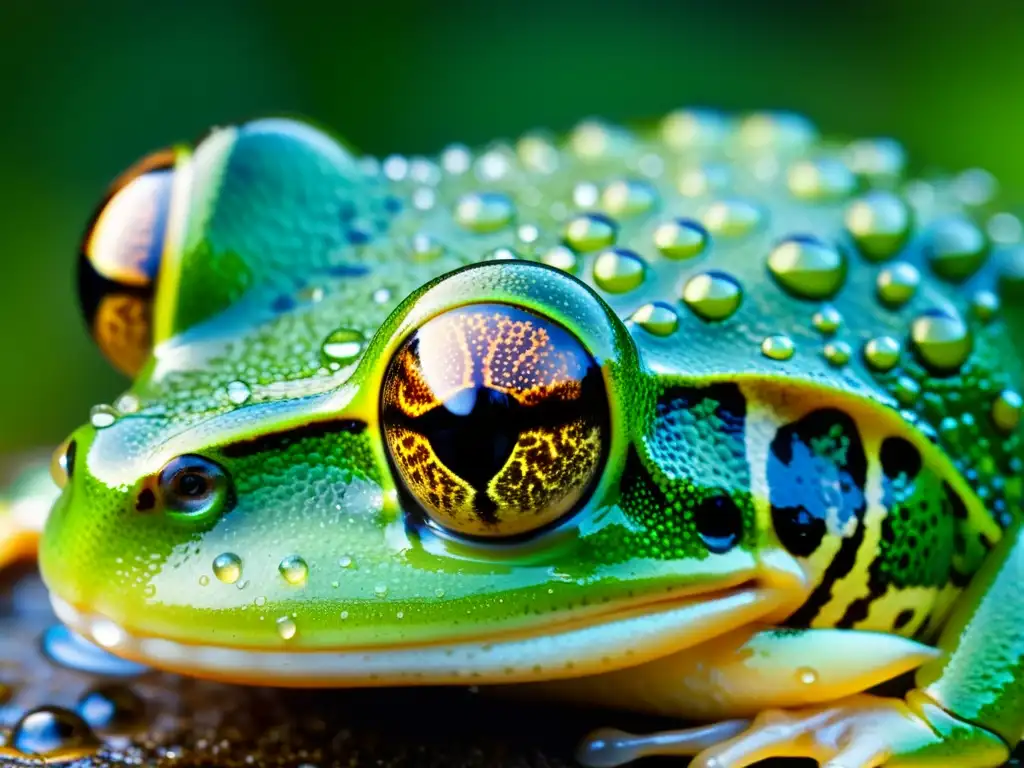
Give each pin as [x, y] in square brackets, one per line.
[613, 640]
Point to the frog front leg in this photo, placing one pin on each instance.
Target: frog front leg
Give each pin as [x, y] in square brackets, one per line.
[967, 709]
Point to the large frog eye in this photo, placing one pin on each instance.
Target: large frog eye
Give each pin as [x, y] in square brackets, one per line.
[120, 256]
[496, 419]
[191, 488]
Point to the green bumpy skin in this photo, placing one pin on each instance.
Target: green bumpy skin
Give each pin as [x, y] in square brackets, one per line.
[810, 387]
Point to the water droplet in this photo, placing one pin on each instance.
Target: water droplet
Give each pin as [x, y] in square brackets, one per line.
[807, 268]
[343, 615]
[1006, 410]
[778, 347]
[827, 320]
[618, 270]
[260, 601]
[238, 392]
[898, 283]
[693, 128]
[713, 295]
[424, 248]
[204, 580]
[345, 561]
[484, 212]
[807, 676]
[658, 318]
[906, 391]
[286, 628]
[560, 257]
[53, 732]
[680, 239]
[343, 346]
[1005, 228]
[501, 254]
[628, 197]
[111, 708]
[941, 341]
[985, 305]
[882, 353]
[732, 218]
[400, 615]
[975, 186]
[381, 296]
[778, 130]
[227, 567]
[585, 194]
[589, 232]
[527, 233]
[537, 154]
[877, 160]
[69, 649]
[837, 353]
[704, 179]
[102, 416]
[438, 592]
[127, 403]
[879, 224]
[956, 249]
[594, 138]
[294, 570]
[824, 179]
[456, 159]
[381, 590]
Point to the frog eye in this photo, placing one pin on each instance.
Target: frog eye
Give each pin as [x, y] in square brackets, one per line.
[191, 488]
[62, 465]
[496, 420]
[120, 257]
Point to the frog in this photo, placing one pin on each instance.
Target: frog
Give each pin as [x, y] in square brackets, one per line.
[713, 418]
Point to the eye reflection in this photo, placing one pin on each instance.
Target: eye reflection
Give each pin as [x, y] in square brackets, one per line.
[496, 419]
[192, 488]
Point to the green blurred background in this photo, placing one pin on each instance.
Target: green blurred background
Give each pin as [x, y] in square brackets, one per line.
[87, 88]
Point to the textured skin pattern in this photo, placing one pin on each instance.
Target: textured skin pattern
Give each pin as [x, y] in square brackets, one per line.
[749, 291]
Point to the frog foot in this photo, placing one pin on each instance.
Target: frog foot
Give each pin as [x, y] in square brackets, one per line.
[857, 732]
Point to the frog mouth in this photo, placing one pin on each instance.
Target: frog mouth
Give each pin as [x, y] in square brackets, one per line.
[613, 640]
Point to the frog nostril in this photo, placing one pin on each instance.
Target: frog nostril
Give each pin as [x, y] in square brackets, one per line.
[719, 522]
[146, 501]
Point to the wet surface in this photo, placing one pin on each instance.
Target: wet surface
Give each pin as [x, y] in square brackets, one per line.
[162, 720]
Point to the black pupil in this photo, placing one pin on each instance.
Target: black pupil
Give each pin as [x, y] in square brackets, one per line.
[191, 484]
[69, 459]
[719, 523]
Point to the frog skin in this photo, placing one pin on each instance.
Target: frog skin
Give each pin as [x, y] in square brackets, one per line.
[715, 420]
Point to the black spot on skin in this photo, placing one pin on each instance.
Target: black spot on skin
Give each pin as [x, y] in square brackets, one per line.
[903, 619]
[731, 405]
[719, 523]
[146, 501]
[956, 503]
[278, 440]
[816, 471]
[899, 456]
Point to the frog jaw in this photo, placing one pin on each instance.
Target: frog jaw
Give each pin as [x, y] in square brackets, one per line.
[613, 640]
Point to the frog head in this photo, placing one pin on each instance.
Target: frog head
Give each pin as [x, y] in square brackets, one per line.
[361, 448]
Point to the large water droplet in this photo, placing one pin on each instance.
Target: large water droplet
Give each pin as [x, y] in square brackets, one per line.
[53, 732]
[111, 708]
[680, 239]
[713, 295]
[69, 649]
[657, 318]
[956, 249]
[882, 353]
[286, 628]
[824, 179]
[589, 232]
[778, 347]
[227, 567]
[732, 218]
[898, 283]
[1006, 410]
[343, 346]
[294, 570]
[807, 268]
[102, 416]
[879, 224]
[238, 392]
[942, 341]
[484, 212]
[628, 197]
[618, 270]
